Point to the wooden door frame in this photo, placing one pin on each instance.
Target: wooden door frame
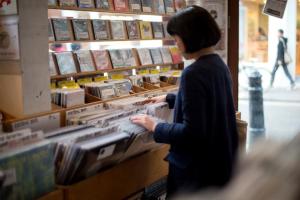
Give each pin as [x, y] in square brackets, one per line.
[233, 45]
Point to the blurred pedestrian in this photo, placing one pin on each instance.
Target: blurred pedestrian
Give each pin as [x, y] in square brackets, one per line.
[280, 60]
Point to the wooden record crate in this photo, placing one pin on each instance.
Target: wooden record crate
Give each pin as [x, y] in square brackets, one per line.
[55, 195]
[123, 179]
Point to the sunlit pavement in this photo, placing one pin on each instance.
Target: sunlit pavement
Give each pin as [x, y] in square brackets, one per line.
[281, 110]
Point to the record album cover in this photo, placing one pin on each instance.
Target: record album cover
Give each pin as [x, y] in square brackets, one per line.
[159, 6]
[128, 57]
[156, 56]
[122, 58]
[29, 171]
[9, 39]
[116, 58]
[158, 30]
[165, 25]
[118, 30]
[52, 2]
[176, 56]
[146, 30]
[52, 67]
[81, 29]
[50, 31]
[85, 61]
[101, 29]
[166, 55]
[147, 6]
[86, 3]
[104, 4]
[67, 3]
[8, 7]
[170, 7]
[133, 30]
[102, 59]
[135, 5]
[121, 5]
[62, 29]
[145, 56]
[66, 64]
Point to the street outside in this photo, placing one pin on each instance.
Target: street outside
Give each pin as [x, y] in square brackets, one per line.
[281, 108]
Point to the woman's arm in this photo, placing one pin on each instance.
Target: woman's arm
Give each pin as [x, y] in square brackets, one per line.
[194, 114]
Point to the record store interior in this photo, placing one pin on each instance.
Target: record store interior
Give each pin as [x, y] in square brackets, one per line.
[130, 99]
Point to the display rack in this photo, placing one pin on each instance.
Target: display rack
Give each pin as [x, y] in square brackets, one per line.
[83, 74]
[57, 12]
[112, 12]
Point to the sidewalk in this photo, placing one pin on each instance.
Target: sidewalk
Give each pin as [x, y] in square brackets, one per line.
[276, 94]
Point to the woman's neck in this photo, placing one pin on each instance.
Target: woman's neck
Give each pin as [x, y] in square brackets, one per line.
[200, 53]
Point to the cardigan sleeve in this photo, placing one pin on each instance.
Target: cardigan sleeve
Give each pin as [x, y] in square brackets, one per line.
[194, 112]
[170, 99]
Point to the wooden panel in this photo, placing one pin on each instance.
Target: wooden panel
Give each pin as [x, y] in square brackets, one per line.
[233, 45]
[123, 179]
[55, 195]
[33, 30]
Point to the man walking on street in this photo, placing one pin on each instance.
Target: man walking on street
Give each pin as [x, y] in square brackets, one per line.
[281, 48]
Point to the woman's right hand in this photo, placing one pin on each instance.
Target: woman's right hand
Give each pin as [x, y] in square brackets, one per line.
[157, 99]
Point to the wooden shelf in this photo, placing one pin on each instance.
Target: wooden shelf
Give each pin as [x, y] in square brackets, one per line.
[169, 40]
[122, 180]
[83, 74]
[108, 12]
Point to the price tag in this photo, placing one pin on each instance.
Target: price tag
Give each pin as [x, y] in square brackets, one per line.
[100, 78]
[68, 84]
[165, 69]
[154, 71]
[53, 86]
[45, 123]
[83, 81]
[176, 73]
[143, 72]
[75, 112]
[106, 151]
[117, 76]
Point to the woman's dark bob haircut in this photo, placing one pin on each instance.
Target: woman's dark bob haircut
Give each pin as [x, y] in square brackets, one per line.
[196, 27]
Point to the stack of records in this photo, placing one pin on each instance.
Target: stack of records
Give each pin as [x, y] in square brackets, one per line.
[171, 77]
[137, 80]
[152, 78]
[19, 138]
[68, 97]
[161, 111]
[127, 103]
[122, 87]
[142, 140]
[81, 153]
[101, 90]
[27, 165]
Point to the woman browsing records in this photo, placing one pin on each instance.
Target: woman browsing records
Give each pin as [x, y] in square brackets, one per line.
[203, 137]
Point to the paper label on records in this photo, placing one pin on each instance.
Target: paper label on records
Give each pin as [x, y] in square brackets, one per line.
[10, 177]
[9, 39]
[275, 8]
[106, 151]
[73, 113]
[45, 123]
[107, 93]
[8, 7]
